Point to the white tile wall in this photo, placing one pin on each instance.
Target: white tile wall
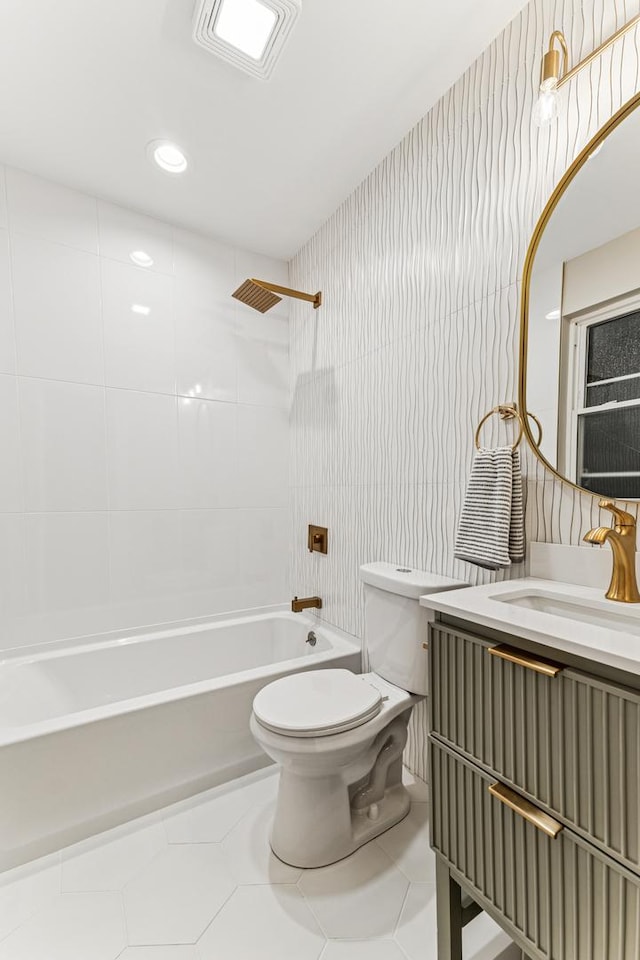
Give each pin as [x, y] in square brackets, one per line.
[52, 212]
[11, 490]
[133, 476]
[142, 443]
[56, 292]
[206, 350]
[137, 312]
[417, 338]
[63, 446]
[7, 340]
[208, 454]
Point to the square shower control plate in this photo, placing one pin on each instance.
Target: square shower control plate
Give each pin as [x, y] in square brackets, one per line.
[318, 539]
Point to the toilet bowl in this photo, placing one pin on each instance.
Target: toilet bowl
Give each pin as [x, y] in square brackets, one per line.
[339, 737]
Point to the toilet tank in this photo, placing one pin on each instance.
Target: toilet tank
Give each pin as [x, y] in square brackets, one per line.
[396, 625]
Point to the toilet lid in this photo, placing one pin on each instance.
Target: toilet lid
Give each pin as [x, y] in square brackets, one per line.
[316, 703]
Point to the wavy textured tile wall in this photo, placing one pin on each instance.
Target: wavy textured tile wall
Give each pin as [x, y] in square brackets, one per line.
[417, 338]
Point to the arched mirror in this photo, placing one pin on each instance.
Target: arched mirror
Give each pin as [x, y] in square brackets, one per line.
[580, 333]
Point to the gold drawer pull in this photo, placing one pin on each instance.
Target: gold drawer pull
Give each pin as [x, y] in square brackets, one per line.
[525, 809]
[525, 660]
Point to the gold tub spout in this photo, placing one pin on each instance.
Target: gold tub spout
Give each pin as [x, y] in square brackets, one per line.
[298, 606]
[622, 540]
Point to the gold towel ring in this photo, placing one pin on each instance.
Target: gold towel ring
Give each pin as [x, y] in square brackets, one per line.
[508, 412]
[539, 426]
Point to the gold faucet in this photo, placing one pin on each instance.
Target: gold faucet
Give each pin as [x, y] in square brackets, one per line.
[298, 606]
[622, 539]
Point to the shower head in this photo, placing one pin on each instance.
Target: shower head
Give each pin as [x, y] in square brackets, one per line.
[262, 295]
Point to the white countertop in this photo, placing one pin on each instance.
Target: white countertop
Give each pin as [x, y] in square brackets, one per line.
[616, 646]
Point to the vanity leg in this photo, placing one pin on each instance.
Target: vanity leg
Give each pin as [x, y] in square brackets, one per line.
[449, 913]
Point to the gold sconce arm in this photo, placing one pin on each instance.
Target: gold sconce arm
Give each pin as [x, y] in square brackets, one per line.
[555, 70]
[569, 74]
[554, 74]
[552, 70]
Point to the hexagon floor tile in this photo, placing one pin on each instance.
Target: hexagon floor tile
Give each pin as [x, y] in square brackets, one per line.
[248, 852]
[408, 845]
[211, 816]
[109, 861]
[26, 890]
[263, 923]
[363, 950]
[357, 898]
[173, 899]
[75, 926]
[416, 933]
[160, 953]
[198, 882]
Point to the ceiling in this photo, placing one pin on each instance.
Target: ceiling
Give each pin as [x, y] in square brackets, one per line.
[85, 84]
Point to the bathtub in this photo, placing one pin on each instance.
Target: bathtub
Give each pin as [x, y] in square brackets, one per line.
[94, 733]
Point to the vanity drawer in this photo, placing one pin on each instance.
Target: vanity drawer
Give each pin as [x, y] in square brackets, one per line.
[570, 742]
[567, 899]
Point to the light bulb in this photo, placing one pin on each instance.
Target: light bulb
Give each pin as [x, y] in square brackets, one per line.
[546, 109]
[549, 84]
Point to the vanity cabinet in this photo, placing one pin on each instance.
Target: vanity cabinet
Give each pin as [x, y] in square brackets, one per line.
[535, 787]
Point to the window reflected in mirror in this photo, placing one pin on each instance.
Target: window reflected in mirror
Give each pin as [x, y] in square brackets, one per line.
[583, 358]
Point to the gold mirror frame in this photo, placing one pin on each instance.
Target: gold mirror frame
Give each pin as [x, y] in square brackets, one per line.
[532, 250]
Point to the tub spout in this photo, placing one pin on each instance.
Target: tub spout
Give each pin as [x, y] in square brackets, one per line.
[393, 747]
[297, 606]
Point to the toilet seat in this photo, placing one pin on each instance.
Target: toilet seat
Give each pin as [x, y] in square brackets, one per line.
[317, 703]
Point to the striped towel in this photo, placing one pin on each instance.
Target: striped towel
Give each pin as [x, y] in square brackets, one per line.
[491, 529]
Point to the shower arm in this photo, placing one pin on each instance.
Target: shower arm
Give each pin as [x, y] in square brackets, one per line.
[314, 298]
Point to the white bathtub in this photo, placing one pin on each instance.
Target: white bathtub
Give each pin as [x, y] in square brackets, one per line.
[94, 733]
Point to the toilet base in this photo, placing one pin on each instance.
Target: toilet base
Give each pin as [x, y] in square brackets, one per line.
[345, 834]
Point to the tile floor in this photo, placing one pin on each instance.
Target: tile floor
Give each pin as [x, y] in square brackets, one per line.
[197, 881]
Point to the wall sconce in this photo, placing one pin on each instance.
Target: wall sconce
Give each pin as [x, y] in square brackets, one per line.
[555, 71]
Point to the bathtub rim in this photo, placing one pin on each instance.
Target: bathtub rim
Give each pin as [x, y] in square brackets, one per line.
[342, 644]
[21, 650]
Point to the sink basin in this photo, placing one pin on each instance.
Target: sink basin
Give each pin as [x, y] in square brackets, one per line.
[605, 613]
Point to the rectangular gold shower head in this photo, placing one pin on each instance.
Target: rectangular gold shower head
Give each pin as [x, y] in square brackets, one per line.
[262, 295]
[255, 295]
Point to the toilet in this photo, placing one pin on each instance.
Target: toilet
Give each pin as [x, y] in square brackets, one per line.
[339, 737]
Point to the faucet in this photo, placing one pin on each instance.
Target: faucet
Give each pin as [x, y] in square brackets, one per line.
[298, 606]
[622, 539]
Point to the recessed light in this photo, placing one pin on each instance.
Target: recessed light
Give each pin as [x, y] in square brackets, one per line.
[553, 315]
[141, 258]
[250, 34]
[140, 308]
[168, 156]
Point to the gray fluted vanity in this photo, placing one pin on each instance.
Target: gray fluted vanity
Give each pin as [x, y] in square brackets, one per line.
[535, 767]
[535, 683]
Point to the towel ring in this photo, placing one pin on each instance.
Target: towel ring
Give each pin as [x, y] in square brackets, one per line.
[539, 426]
[508, 412]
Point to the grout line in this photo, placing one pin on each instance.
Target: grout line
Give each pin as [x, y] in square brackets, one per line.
[217, 913]
[401, 911]
[125, 925]
[284, 406]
